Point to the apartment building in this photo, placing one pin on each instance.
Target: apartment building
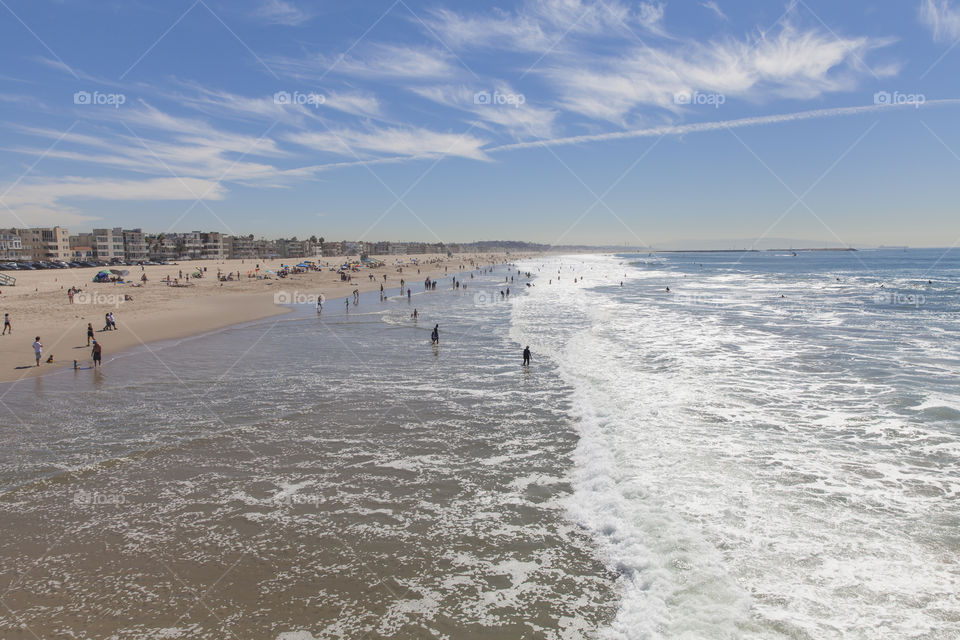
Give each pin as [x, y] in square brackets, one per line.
[44, 243]
[11, 245]
[134, 245]
[213, 246]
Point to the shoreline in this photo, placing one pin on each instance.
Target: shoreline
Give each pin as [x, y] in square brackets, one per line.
[38, 304]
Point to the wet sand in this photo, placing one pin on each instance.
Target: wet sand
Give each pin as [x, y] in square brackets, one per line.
[38, 305]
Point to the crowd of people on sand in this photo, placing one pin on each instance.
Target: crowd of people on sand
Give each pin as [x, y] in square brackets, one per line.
[183, 279]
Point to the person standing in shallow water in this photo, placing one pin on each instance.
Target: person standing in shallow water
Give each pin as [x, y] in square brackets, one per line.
[435, 336]
[526, 356]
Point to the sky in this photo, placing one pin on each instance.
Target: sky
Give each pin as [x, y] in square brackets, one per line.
[642, 124]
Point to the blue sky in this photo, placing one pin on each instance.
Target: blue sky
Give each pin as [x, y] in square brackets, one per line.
[557, 121]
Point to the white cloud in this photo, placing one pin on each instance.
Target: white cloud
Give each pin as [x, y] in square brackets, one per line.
[942, 18]
[790, 63]
[718, 125]
[715, 8]
[357, 103]
[281, 12]
[47, 201]
[400, 61]
[513, 114]
[380, 61]
[544, 25]
[408, 142]
[50, 192]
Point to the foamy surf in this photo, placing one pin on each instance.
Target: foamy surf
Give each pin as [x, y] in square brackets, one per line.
[750, 464]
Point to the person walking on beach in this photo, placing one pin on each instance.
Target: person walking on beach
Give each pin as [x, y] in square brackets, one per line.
[38, 350]
[526, 356]
[89, 333]
[6, 325]
[435, 336]
[113, 321]
[97, 354]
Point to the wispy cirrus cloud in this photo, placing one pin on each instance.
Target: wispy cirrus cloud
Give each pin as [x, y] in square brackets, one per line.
[542, 25]
[281, 12]
[790, 63]
[942, 18]
[409, 142]
[59, 200]
[378, 61]
[513, 115]
[715, 8]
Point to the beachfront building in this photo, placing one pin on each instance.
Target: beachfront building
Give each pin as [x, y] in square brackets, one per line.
[333, 249]
[398, 248]
[242, 247]
[294, 248]
[213, 246]
[134, 245]
[107, 244]
[81, 252]
[44, 243]
[191, 245]
[10, 245]
[161, 247]
[381, 248]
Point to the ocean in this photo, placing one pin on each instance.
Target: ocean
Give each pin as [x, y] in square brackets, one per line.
[716, 461]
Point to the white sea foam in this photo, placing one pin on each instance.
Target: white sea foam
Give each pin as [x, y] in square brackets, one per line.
[750, 463]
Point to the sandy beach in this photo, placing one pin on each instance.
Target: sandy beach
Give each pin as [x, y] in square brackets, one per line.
[39, 305]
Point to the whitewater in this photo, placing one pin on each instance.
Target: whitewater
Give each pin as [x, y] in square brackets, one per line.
[767, 449]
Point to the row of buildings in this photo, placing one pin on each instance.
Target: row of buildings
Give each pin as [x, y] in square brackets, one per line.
[133, 245]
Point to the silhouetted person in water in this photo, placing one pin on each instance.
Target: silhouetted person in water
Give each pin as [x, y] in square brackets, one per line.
[526, 356]
[435, 336]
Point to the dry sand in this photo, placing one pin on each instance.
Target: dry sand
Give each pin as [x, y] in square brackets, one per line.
[38, 305]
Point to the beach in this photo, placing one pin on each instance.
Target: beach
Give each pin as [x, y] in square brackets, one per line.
[39, 306]
[305, 476]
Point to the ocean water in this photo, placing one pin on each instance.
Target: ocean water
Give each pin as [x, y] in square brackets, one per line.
[713, 462]
[758, 466]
